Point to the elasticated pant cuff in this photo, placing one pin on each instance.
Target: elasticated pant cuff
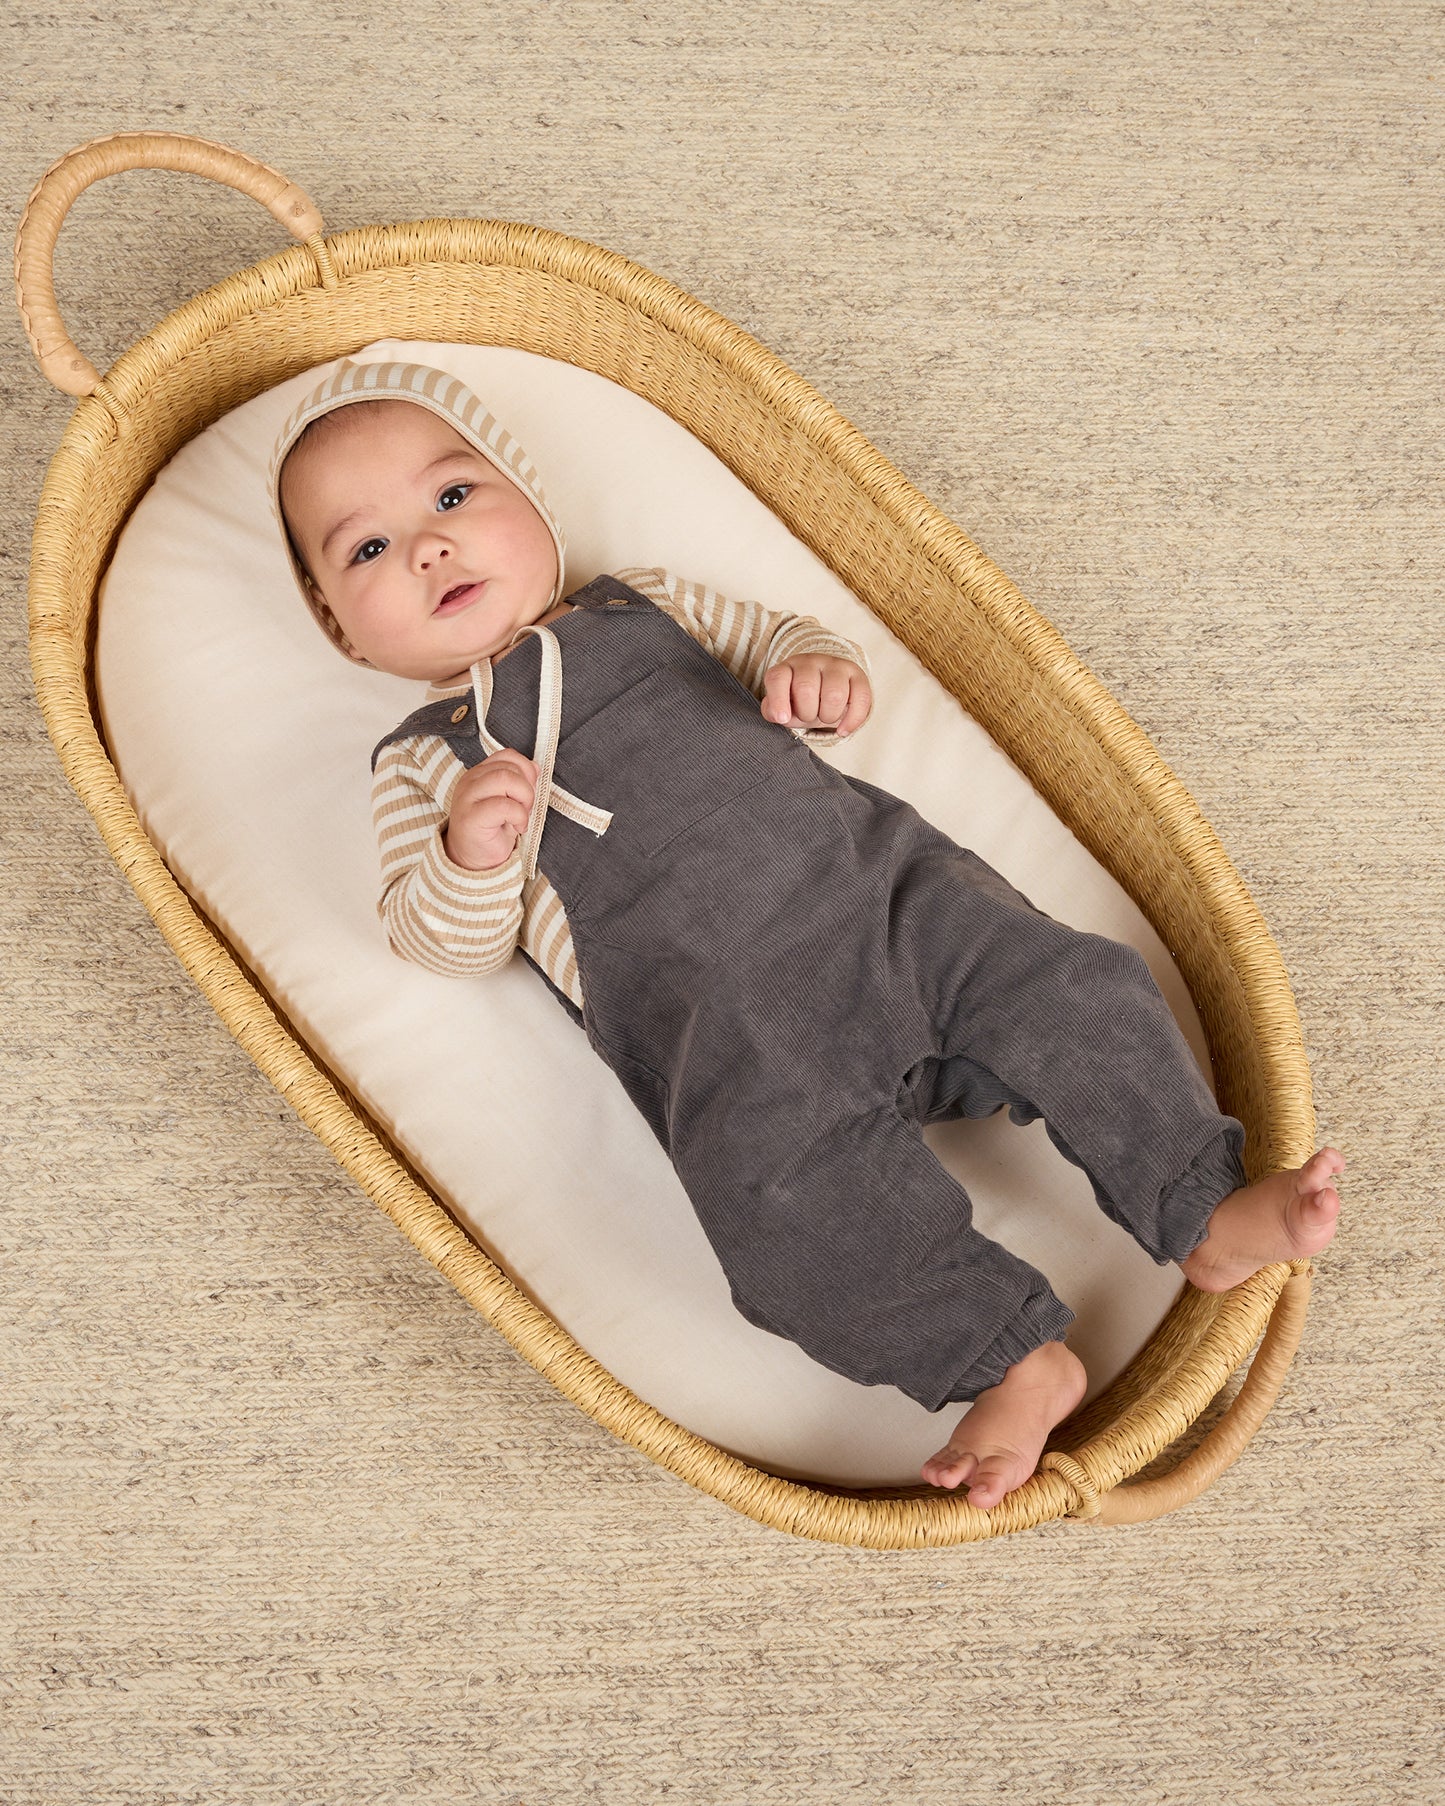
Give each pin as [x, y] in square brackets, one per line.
[1190, 1200]
[1042, 1319]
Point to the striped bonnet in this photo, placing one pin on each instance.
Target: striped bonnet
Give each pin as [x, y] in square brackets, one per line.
[444, 395]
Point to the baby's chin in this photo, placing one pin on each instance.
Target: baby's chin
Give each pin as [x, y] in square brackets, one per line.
[442, 680]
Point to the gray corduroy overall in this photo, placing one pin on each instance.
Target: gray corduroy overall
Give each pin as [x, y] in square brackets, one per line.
[791, 971]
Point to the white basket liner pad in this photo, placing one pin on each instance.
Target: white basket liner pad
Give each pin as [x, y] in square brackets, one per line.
[243, 740]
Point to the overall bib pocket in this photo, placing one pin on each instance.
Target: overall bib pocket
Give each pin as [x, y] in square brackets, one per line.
[684, 734]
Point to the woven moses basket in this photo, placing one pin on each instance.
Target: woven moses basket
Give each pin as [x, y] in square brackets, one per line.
[489, 283]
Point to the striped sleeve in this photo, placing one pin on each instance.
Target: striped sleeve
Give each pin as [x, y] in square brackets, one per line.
[748, 638]
[435, 913]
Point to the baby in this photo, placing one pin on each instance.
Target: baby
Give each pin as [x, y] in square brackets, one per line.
[788, 969]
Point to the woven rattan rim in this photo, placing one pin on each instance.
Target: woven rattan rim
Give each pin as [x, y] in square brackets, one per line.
[491, 282]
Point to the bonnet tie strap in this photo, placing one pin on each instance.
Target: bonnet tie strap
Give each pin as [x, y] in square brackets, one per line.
[544, 752]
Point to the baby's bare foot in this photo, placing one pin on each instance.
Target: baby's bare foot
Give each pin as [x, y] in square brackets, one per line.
[1000, 1437]
[1287, 1216]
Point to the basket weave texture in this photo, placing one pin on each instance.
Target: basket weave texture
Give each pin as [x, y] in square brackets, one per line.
[502, 284]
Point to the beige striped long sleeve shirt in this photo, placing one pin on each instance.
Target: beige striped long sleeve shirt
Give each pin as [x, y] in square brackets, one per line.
[466, 923]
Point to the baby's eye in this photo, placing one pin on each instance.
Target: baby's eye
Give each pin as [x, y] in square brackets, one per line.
[368, 550]
[453, 496]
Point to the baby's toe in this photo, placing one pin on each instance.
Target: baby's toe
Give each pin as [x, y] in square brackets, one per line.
[995, 1477]
[949, 1467]
[1320, 1168]
[1319, 1217]
[1312, 1220]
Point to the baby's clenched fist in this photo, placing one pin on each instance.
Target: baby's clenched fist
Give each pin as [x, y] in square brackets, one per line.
[818, 690]
[490, 809]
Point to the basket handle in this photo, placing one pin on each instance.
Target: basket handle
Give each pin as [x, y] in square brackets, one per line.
[1137, 1501]
[56, 191]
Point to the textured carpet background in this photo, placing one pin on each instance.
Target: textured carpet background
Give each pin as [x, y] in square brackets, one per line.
[1149, 300]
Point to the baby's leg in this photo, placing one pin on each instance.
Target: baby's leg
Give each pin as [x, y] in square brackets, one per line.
[855, 1242]
[1070, 1027]
[1289, 1215]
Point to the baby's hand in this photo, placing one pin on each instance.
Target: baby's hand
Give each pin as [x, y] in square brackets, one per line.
[490, 809]
[817, 689]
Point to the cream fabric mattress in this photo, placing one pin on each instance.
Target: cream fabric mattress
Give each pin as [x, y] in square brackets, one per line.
[243, 739]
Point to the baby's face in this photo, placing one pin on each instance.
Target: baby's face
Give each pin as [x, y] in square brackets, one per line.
[429, 558]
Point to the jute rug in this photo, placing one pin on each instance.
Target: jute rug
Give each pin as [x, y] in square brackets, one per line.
[1149, 301]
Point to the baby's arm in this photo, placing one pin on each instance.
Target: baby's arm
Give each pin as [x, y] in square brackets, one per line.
[436, 912]
[753, 641]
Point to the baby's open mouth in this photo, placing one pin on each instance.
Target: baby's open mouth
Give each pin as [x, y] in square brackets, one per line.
[458, 594]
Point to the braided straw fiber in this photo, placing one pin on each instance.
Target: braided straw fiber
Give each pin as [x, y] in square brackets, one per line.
[495, 283]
